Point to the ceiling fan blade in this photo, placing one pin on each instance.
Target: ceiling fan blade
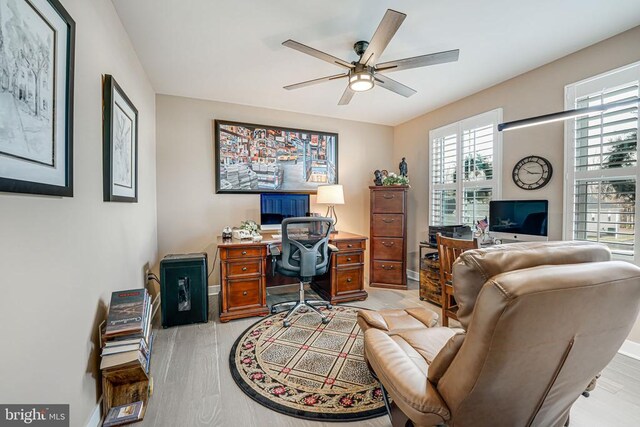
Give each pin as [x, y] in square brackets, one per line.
[316, 81]
[387, 28]
[346, 96]
[316, 53]
[419, 61]
[394, 86]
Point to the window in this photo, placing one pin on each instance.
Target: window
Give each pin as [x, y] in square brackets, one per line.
[465, 169]
[602, 163]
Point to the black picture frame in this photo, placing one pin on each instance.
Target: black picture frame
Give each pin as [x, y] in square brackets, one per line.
[13, 185]
[111, 90]
[330, 139]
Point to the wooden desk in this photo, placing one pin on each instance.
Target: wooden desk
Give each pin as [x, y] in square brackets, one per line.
[245, 273]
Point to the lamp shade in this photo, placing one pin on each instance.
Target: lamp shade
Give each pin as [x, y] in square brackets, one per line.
[330, 195]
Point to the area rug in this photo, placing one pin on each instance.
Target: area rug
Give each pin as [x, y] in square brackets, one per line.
[309, 370]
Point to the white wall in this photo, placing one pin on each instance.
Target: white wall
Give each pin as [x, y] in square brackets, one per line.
[60, 258]
[536, 92]
[191, 214]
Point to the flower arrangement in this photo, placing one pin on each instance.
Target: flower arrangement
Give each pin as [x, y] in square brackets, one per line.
[393, 179]
[251, 226]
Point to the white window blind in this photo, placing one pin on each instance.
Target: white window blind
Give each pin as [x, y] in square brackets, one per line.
[465, 169]
[602, 165]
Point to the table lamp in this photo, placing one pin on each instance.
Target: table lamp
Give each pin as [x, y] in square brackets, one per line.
[331, 195]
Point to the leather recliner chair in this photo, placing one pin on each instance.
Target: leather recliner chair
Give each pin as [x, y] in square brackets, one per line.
[541, 319]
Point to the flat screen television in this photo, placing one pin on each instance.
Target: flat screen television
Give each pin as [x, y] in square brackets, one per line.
[274, 207]
[519, 220]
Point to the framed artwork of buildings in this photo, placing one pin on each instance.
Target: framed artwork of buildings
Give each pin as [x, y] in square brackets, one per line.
[254, 158]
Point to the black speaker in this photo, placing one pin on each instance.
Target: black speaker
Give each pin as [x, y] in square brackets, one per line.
[184, 292]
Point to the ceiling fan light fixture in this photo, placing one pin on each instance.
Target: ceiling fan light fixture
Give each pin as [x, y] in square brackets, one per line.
[360, 82]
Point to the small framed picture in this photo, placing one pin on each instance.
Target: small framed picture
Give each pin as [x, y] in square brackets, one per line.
[120, 144]
[36, 97]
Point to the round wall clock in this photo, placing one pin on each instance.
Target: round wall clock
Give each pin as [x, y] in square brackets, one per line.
[532, 172]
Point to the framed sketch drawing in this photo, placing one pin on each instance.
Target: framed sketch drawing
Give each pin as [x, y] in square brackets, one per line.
[254, 158]
[36, 97]
[120, 144]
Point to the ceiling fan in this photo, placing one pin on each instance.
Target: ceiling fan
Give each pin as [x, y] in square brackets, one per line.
[364, 73]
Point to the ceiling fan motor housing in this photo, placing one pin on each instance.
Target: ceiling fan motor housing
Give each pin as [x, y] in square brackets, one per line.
[360, 47]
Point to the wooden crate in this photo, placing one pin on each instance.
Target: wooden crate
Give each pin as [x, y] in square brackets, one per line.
[126, 385]
[430, 289]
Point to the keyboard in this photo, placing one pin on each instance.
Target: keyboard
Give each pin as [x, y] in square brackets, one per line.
[276, 236]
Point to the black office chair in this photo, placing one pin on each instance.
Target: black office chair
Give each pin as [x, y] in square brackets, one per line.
[305, 253]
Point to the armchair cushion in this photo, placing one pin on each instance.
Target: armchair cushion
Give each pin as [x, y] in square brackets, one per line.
[474, 268]
[427, 342]
[443, 359]
[405, 381]
[392, 320]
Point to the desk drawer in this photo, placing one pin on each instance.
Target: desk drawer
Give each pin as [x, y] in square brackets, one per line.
[349, 280]
[387, 272]
[349, 258]
[242, 268]
[350, 245]
[388, 201]
[388, 225]
[390, 248]
[243, 293]
[244, 252]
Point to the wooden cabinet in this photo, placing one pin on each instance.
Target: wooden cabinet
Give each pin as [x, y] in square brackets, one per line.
[430, 288]
[243, 278]
[345, 279]
[388, 257]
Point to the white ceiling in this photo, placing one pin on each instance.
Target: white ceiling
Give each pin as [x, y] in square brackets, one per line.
[231, 50]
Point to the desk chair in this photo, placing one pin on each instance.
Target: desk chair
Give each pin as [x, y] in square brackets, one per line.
[305, 253]
[448, 251]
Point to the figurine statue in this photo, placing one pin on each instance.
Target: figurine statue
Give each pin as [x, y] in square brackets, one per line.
[377, 180]
[404, 170]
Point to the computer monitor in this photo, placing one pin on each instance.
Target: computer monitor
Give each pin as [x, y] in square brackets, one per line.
[519, 220]
[274, 207]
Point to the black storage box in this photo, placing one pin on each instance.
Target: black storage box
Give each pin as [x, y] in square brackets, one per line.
[184, 292]
[454, 231]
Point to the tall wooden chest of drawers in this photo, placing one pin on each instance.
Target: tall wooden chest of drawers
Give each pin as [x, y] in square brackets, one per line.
[388, 254]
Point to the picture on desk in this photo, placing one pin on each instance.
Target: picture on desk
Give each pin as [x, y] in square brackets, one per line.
[258, 158]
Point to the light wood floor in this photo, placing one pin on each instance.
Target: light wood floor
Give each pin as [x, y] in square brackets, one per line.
[193, 385]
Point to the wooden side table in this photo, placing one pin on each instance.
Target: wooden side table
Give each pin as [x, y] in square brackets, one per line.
[430, 289]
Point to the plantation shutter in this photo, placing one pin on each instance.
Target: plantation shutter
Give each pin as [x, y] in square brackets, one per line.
[465, 169]
[604, 171]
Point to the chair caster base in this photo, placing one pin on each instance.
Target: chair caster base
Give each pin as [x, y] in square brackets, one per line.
[273, 310]
[325, 320]
[286, 323]
[329, 306]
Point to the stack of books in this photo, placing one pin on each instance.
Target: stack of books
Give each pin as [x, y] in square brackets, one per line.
[127, 336]
[124, 414]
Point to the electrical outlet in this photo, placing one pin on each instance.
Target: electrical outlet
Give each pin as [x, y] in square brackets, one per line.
[145, 270]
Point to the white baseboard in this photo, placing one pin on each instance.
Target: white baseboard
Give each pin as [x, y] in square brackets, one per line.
[96, 415]
[413, 275]
[631, 349]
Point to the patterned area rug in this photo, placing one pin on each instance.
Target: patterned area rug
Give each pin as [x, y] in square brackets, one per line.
[309, 370]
